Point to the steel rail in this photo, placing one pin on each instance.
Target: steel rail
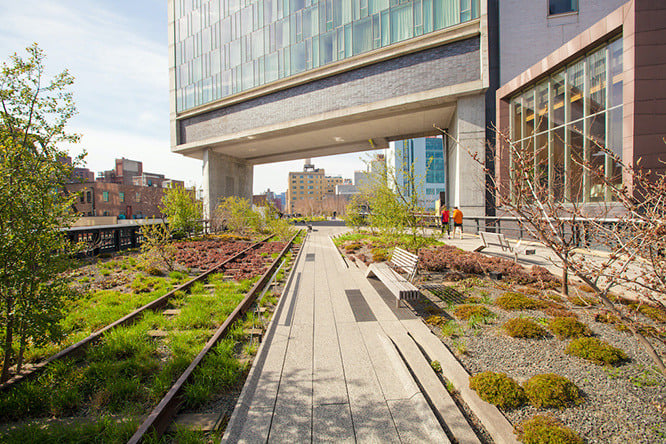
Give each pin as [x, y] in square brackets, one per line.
[155, 304]
[162, 415]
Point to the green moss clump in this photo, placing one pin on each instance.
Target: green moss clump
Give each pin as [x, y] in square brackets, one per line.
[498, 389]
[552, 391]
[567, 327]
[542, 429]
[584, 301]
[524, 328]
[654, 313]
[380, 255]
[466, 311]
[518, 301]
[597, 351]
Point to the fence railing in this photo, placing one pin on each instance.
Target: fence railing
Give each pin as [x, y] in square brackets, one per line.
[110, 238]
[514, 228]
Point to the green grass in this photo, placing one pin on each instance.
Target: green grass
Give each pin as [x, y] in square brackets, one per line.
[106, 430]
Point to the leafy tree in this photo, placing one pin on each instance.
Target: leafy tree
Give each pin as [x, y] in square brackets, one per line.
[237, 215]
[33, 203]
[184, 213]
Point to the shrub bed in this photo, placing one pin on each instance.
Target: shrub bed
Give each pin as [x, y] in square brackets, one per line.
[498, 389]
[597, 351]
[567, 327]
[552, 391]
[466, 311]
[518, 301]
[524, 328]
[542, 429]
[447, 257]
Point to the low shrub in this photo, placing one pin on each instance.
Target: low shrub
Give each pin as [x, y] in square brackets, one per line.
[451, 329]
[450, 258]
[607, 318]
[436, 366]
[586, 288]
[597, 351]
[568, 327]
[466, 311]
[380, 255]
[557, 312]
[583, 301]
[654, 313]
[645, 330]
[154, 271]
[498, 389]
[524, 328]
[552, 391]
[541, 429]
[435, 320]
[352, 246]
[518, 301]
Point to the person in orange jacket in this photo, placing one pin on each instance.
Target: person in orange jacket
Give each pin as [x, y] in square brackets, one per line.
[457, 221]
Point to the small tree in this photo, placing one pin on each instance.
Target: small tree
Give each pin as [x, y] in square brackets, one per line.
[562, 221]
[33, 203]
[238, 216]
[157, 246]
[183, 212]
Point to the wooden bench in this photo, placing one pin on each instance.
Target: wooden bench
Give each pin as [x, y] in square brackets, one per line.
[498, 240]
[401, 288]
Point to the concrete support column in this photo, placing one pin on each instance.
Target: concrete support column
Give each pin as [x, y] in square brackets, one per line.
[224, 176]
[467, 181]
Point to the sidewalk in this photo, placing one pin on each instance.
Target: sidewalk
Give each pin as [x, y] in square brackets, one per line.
[340, 363]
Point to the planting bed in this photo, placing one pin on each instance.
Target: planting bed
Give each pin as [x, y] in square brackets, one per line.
[620, 404]
[132, 367]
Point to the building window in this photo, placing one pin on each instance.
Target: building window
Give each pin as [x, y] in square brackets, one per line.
[571, 125]
[82, 197]
[105, 196]
[121, 196]
[562, 6]
[137, 197]
[88, 196]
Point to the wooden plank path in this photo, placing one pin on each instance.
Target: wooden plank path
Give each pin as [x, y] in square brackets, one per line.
[333, 366]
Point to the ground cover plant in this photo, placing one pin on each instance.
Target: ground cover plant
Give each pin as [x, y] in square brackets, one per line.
[518, 301]
[498, 389]
[552, 391]
[568, 327]
[524, 328]
[377, 247]
[596, 351]
[445, 258]
[542, 429]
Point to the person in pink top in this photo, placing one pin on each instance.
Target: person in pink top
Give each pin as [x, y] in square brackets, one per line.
[445, 221]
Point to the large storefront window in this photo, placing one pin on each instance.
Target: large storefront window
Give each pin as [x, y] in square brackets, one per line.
[223, 47]
[573, 123]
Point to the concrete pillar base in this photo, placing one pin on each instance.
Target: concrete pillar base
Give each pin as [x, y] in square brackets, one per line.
[224, 176]
[467, 181]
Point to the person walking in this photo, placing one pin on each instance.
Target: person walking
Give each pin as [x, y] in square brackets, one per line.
[445, 221]
[457, 221]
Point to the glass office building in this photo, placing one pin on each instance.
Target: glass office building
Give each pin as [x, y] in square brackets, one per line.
[572, 119]
[223, 47]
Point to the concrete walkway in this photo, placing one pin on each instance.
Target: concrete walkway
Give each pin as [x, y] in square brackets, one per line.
[340, 363]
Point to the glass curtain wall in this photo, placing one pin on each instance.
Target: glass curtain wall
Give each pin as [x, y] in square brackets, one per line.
[223, 47]
[573, 121]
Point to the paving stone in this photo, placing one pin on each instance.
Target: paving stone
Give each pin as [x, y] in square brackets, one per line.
[332, 423]
[171, 312]
[157, 333]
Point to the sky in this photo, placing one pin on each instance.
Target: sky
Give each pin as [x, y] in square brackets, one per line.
[117, 52]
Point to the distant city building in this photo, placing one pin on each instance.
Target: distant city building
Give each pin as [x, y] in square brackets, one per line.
[308, 189]
[426, 155]
[363, 179]
[268, 198]
[78, 174]
[126, 192]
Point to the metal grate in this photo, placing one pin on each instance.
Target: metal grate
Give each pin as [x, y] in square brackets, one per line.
[309, 257]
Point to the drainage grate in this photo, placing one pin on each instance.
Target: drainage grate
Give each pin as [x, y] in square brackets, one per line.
[309, 257]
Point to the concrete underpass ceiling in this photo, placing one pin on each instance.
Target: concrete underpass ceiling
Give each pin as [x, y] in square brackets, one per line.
[345, 135]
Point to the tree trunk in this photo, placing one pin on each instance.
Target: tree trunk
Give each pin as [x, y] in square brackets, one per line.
[9, 330]
[565, 280]
[19, 358]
